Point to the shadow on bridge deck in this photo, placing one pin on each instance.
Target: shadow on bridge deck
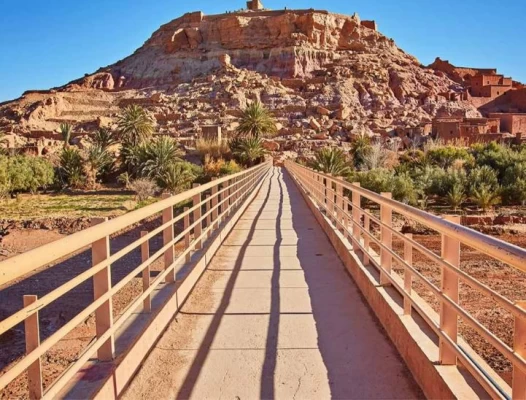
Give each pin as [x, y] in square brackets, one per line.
[275, 316]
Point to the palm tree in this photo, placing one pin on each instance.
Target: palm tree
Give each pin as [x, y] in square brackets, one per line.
[360, 148]
[98, 161]
[158, 155]
[332, 161]
[104, 138]
[65, 131]
[135, 125]
[249, 150]
[256, 121]
[486, 197]
[178, 177]
[456, 196]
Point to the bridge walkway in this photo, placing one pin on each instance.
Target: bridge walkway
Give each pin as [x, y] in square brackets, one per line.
[275, 315]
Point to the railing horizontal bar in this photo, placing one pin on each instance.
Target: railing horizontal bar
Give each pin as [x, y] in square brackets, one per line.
[496, 248]
[64, 330]
[20, 265]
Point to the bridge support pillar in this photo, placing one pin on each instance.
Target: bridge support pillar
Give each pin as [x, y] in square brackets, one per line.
[449, 284]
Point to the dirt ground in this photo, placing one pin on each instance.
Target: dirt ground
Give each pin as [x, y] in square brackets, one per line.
[58, 313]
[508, 281]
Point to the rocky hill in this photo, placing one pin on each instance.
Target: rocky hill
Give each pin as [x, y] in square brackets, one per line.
[325, 76]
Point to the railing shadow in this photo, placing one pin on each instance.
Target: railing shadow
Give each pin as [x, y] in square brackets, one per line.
[198, 361]
[62, 310]
[361, 361]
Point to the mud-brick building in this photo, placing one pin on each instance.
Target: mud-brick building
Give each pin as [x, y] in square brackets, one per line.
[489, 85]
[514, 123]
[469, 130]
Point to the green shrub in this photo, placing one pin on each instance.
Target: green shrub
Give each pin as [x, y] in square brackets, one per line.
[497, 156]
[445, 156]
[377, 180]
[249, 150]
[72, 167]
[482, 176]
[157, 156]
[24, 173]
[486, 197]
[332, 161]
[230, 167]
[456, 196]
[178, 177]
[404, 189]
[442, 181]
[514, 184]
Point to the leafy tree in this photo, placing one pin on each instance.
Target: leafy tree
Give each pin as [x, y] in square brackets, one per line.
[257, 121]
[249, 150]
[486, 197]
[497, 156]
[65, 131]
[135, 125]
[332, 161]
[456, 196]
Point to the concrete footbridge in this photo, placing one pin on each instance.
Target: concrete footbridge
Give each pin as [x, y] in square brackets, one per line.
[276, 282]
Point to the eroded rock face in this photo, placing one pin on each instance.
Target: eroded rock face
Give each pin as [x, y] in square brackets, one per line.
[325, 76]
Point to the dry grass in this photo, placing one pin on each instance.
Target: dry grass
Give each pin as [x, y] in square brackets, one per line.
[65, 205]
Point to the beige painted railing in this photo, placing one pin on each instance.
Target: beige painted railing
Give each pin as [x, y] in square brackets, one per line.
[348, 216]
[212, 204]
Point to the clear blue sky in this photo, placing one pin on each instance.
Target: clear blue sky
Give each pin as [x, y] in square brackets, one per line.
[49, 43]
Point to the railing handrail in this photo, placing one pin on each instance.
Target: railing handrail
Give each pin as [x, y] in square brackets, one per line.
[489, 245]
[18, 266]
[327, 194]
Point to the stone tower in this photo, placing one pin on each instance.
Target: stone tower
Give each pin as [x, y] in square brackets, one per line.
[254, 5]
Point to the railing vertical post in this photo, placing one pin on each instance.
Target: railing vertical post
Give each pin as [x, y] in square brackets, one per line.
[449, 284]
[408, 277]
[339, 204]
[168, 236]
[208, 215]
[366, 238]
[145, 254]
[100, 251]
[214, 204]
[356, 217]
[198, 224]
[386, 260]
[186, 224]
[519, 346]
[32, 333]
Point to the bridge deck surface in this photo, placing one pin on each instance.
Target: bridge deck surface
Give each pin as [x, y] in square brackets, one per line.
[274, 316]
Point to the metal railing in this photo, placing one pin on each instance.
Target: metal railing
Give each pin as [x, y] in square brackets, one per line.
[212, 204]
[354, 222]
